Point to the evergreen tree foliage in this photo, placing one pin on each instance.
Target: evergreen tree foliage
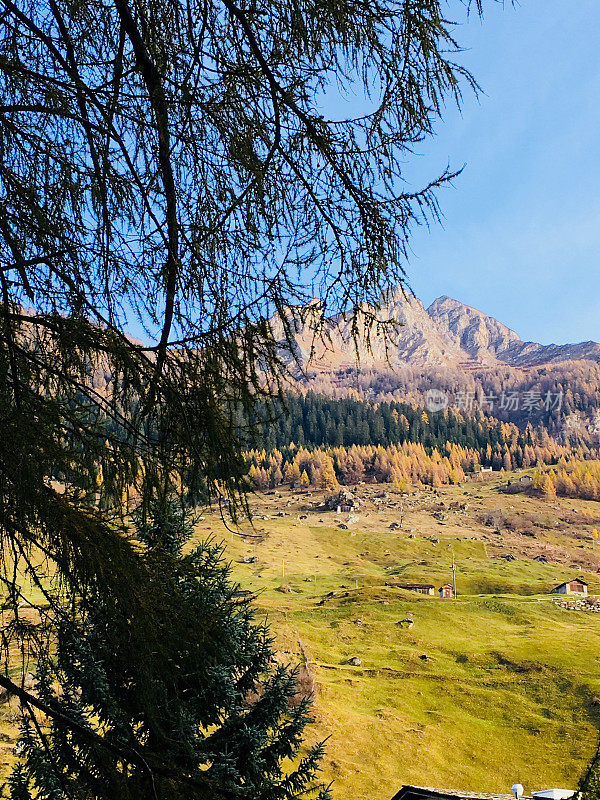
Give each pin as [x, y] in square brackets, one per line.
[168, 527]
[153, 712]
[314, 420]
[589, 785]
[169, 165]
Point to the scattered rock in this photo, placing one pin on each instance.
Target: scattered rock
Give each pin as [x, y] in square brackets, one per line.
[354, 661]
[589, 603]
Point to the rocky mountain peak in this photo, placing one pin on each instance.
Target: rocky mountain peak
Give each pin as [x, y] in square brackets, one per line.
[447, 334]
[481, 337]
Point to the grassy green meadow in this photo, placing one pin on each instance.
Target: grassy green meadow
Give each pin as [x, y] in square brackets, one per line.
[496, 686]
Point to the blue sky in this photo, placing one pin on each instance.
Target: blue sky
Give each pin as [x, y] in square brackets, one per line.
[521, 235]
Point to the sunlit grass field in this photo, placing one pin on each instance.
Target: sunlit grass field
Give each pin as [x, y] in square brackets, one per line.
[497, 686]
[494, 687]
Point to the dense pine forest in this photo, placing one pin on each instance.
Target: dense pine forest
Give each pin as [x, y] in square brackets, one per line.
[315, 440]
[313, 420]
[576, 383]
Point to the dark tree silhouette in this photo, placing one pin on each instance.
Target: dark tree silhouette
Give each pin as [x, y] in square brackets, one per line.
[169, 164]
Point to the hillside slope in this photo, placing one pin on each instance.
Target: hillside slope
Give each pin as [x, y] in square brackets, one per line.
[499, 685]
[502, 684]
[453, 348]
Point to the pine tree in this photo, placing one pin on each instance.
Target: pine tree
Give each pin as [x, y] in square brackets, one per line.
[589, 785]
[148, 180]
[304, 480]
[548, 487]
[328, 479]
[152, 713]
[538, 479]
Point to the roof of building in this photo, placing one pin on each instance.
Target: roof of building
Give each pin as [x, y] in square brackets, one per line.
[450, 794]
[411, 585]
[446, 586]
[573, 580]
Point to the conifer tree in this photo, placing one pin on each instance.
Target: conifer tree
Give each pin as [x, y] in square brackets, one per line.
[169, 165]
[153, 712]
[589, 785]
[304, 480]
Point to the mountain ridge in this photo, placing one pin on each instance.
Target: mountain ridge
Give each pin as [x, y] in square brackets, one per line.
[446, 333]
[481, 332]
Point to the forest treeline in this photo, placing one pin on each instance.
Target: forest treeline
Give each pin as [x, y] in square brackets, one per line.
[573, 387]
[400, 464]
[321, 442]
[314, 420]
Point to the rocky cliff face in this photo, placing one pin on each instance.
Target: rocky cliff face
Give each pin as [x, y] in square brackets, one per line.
[414, 338]
[479, 336]
[485, 339]
[448, 333]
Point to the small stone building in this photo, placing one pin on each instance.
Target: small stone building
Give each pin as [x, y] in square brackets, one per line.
[342, 502]
[446, 591]
[427, 793]
[576, 586]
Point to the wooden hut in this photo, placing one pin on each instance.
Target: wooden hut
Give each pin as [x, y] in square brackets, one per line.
[576, 586]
